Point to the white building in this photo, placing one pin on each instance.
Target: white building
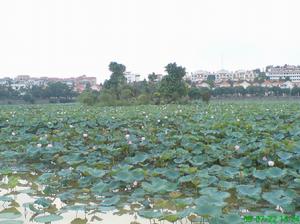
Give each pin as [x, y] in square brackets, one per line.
[224, 75]
[199, 76]
[282, 72]
[131, 77]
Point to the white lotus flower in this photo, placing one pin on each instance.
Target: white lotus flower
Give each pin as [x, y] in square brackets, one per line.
[129, 142]
[212, 117]
[237, 147]
[166, 117]
[270, 163]
[13, 133]
[71, 126]
[238, 120]
[158, 121]
[113, 117]
[49, 145]
[244, 210]
[135, 183]
[85, 135]
[39, 145]
[143, 138]
[279, 208]
[146, 116]
[180, 111]
[264, 158]
[127, 136]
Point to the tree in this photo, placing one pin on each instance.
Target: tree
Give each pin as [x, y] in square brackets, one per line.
[88, 97]
[28, 98]
[152, 77]
[37, 91]
[261, 77]
[205, 95]
[117, 78]
[172, 86]
[194, 93]
[126, 94]
[59, 90]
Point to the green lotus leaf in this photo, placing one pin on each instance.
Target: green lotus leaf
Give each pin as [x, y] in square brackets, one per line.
[187, 178]
[275, 172]
[111, 201]
[139, 158]
[11, 222]
[100, 188]
[198, 160]
[233, 219]
[277, 197]
[171, 217]
[10, 213]
[248, 190]
[150, 214]
[6, 198]
[43, 202]
[260, 174]
[206, 209]
[284, 155]
[158, 185]
[48, 218]
[79, 221]
[171, 174]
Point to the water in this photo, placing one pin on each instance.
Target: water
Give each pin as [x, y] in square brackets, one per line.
[25, 193]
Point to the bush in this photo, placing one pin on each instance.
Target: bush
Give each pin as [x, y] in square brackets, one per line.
[28, 98]
[88, 97]
[194, 93]
[156, 98]
[205, 95]
[126, 94]
[143, 99]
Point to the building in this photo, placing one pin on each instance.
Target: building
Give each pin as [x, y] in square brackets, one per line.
[291, 72]
[222, 84]
[245, 84]
[199, 76]
[25, 81]
[223, 75]
[287, 85]
[131, 77]
[203, 84]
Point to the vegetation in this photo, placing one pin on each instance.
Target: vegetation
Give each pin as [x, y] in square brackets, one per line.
[204, 162]
[54, 92]
[116, 91]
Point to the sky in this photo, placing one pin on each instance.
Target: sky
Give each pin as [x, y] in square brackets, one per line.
[65, 38]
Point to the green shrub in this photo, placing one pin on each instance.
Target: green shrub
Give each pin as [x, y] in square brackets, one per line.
[143, 99]
[88, 98]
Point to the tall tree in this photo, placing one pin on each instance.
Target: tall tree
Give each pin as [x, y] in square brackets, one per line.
[152, 77]
[172, 86]
[117, 78]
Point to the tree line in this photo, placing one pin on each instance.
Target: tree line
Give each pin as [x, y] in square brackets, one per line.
[172, 88]
[56, 92]
[116, 91]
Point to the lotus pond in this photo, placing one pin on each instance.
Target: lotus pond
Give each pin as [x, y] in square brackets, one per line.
[149, 164]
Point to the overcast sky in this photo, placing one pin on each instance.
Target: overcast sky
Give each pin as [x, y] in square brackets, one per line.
[75, 37]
